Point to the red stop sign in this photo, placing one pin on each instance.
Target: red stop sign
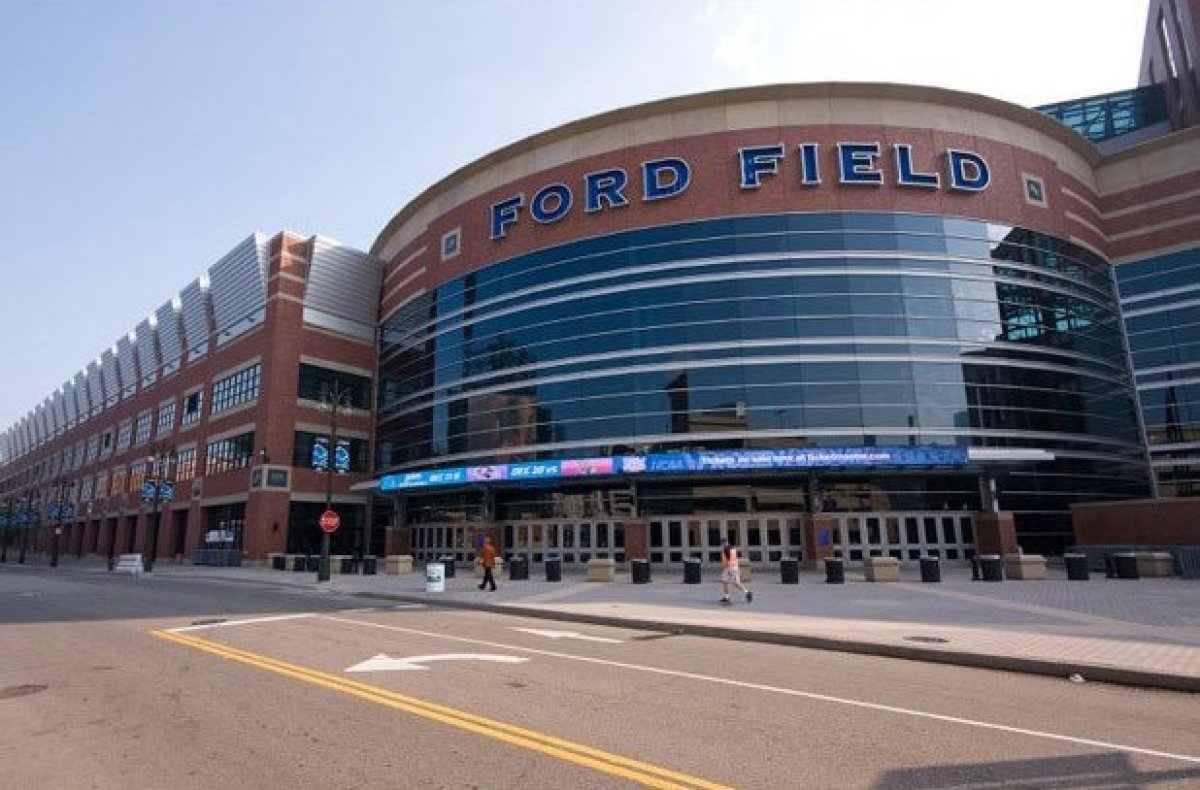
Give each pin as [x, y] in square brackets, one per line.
[330, 521]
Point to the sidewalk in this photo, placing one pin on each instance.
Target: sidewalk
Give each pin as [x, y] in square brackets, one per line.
[1143, 632]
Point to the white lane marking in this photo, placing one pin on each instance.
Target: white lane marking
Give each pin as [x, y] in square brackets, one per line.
[385, 607]
[1120, 747]
[569, 635]
[385, 663]
[247, 621]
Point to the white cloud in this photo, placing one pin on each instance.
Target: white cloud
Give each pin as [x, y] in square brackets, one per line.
[1026, 51]
[743, 50]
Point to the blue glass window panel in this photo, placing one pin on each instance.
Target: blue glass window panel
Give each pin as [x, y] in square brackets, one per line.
[1166, 319]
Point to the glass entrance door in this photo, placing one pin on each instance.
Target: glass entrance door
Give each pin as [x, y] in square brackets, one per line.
[574, 542]
[762, 538]
[905, 536]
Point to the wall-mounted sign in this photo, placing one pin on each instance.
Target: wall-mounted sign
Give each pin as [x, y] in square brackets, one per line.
[867, 164]
[713, 461]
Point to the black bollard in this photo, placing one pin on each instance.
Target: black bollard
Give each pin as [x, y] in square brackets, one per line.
[1077, 567]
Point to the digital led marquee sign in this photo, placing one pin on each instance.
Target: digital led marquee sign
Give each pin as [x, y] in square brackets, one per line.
[711, 461]
[856, 163]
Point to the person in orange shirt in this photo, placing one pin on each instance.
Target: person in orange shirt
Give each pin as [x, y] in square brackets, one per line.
[731, 575]
[487, 559]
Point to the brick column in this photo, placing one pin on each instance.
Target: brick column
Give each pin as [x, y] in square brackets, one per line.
[266, 523]
[995, 533]
[397, 540]
[818, 537]
[637, 540]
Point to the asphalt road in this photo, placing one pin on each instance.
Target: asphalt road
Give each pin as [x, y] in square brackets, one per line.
[178, 683]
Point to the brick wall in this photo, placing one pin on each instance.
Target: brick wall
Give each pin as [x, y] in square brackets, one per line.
[1167, 522]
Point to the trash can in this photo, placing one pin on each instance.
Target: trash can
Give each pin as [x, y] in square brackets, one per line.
[448, 561]
[435, 577]
[368, 566]
[518, 568]
[931, 569]
[991, 567]
[640, 571]
[789, 570]
[835, 571]
[278, 562]
[312, 563]
[553, 569]
[691, 570]
[1126, 565]
[299, 562]
[1077, 567]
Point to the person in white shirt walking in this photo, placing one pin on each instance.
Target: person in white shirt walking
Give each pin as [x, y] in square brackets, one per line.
[731, 575]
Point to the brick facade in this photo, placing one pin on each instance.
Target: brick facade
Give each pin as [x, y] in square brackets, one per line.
[120, 522]
[1155, 522]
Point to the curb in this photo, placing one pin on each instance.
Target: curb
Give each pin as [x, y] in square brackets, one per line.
[1059, 669]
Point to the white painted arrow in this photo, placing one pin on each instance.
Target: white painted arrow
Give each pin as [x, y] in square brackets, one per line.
[385, 663]
[568, 635]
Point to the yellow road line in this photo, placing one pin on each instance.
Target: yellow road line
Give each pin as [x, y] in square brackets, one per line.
[568, 751]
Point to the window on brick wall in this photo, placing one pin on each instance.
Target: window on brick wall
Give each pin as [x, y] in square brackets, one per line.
[193, 405]
[185, 465]
[235, 389]
[124, 436]
[142, 435]
[224, 455]
[166, 419]
[316, 382]
[137, 475]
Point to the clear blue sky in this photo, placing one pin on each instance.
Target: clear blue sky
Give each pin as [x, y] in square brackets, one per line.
[142, 139]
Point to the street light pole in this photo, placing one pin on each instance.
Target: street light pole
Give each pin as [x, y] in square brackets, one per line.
[334, 399]
[8, 527]
[26, 517]
[59, 496]
[161, 468]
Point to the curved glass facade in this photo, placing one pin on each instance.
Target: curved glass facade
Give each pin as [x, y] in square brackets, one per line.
[775, 331]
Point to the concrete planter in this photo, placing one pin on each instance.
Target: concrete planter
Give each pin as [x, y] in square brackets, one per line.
[396, 564]
[882, 569]
[601, 570]
[1030, 567]
[1155, 563]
